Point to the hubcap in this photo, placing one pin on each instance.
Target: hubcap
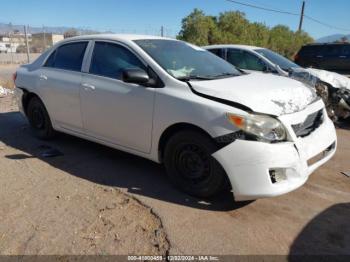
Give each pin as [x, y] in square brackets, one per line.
[192, 163]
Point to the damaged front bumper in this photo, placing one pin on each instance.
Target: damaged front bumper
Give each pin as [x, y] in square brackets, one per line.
[258, 170]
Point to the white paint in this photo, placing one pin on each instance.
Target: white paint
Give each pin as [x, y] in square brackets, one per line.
[334, 79]
[264, 93]
[132, 118]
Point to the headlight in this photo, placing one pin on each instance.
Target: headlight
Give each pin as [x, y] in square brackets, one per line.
[265, 128]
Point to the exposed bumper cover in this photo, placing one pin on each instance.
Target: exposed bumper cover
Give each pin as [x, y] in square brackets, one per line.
[247, 163]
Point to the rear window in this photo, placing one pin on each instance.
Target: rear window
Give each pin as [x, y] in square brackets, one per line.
[68, 57]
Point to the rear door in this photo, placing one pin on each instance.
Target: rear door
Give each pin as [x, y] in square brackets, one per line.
[59, 83]
[114, 111]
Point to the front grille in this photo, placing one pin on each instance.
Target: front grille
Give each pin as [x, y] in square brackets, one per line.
[311, 123]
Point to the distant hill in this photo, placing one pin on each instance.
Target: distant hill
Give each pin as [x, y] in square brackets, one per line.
[332, 38]
[5, 28]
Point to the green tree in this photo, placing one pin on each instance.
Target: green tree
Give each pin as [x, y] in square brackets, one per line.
[233, 27]
[197, 28]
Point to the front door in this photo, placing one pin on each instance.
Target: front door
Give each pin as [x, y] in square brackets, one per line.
[114, 111]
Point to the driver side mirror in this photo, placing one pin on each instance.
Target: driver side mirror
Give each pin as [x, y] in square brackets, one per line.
[135, 76]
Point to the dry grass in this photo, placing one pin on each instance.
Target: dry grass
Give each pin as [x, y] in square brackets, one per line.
[6, 83]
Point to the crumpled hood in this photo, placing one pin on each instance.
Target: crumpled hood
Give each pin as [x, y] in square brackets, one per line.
[334, 79]
[263, 93]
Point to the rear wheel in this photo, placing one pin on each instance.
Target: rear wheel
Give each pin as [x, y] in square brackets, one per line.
[39, 119]
[190, 165]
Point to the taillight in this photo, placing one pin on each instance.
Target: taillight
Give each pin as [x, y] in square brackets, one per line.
[296, 57]
[14, 76]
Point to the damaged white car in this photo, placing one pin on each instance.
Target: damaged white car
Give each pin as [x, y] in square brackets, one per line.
[212, 126]
[333, 88]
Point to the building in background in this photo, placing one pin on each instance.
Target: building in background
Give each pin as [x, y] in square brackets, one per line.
[9, 43]
[42, 41]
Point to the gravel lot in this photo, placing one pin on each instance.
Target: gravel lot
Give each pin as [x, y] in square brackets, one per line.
[95, 200]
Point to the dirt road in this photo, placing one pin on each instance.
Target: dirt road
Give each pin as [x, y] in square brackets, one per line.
[76, 203]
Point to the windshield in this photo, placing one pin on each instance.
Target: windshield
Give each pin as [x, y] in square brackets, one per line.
[185, 61]
[277, 59]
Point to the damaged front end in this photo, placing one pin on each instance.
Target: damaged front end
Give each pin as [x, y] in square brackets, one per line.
[336, 99]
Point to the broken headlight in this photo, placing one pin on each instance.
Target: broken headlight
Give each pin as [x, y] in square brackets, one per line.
[264, 128]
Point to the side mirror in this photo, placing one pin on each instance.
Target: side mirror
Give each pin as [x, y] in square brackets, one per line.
[135, 76]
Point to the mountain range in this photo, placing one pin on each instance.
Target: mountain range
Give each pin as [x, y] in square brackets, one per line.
[6, 28]
[332, 38]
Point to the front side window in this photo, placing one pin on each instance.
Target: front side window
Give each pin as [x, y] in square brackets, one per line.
[111, 60]
[217, 51]
[68, 56]
[185, 61]
[245, 60]
[277, 59]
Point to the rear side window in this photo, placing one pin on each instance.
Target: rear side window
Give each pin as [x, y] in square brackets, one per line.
[346, 50]
[332, 50]
[68, 57]
[111, 60]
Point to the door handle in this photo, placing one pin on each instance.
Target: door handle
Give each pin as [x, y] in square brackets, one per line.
[88, 86]
[342, 56]
[43, 77]
[319, 56]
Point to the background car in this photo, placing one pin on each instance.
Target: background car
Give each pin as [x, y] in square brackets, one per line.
[332, 57]
[333, 88]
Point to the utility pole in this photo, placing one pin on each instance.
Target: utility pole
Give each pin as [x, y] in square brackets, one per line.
[302, 16]
[162, 31]
[27, 44]
[44, 38]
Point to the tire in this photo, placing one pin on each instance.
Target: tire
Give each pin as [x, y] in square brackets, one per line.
[39, 119]
[191, 167]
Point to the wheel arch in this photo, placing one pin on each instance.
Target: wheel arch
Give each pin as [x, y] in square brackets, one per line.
[172, 130]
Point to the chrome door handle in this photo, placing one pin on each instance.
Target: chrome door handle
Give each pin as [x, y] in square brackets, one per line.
[342, 56]
[43, 77]
[319, 56]
[88, 86]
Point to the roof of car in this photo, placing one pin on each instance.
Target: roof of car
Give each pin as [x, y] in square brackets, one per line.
[118, 37]
[246, 47]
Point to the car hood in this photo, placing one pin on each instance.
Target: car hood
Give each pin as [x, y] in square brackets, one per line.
[334, 79]
[263, 93]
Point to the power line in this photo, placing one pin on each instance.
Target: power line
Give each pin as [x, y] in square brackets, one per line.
[325, 24]
[288, 13]
[263, 8]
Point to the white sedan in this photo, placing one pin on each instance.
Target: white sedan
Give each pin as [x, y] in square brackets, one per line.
[212, 126]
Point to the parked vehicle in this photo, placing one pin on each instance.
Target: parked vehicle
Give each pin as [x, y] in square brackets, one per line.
[332, 57]
[333, 88]
[174, 103]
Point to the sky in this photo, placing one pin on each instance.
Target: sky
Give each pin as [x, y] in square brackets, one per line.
[147, 16]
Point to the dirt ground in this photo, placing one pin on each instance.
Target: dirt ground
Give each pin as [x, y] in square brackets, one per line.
[90, 199]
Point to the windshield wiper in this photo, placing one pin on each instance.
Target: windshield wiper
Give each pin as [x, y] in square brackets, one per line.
[194, 77]
[225, 75]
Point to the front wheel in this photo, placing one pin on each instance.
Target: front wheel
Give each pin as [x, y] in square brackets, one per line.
[190, 165]
[39, 119]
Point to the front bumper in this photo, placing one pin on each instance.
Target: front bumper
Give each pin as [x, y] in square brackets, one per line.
[248, 163]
